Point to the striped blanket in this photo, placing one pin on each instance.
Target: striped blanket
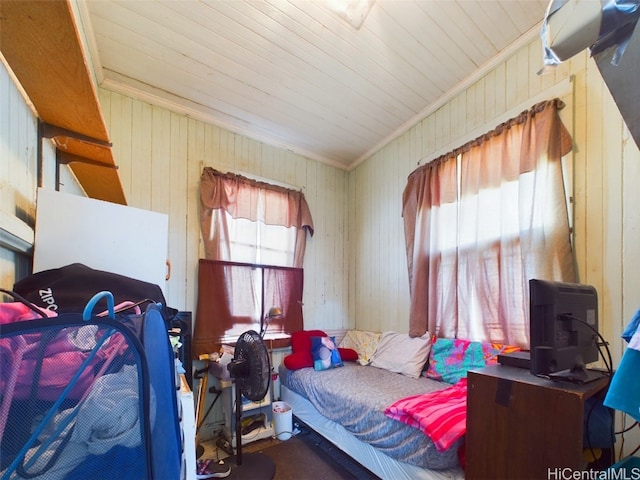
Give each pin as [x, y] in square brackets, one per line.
[441, 415]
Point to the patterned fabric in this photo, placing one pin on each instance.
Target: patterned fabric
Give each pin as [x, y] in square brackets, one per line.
[441, 415]
[492, 350]
[451, 358]
[325, 353]
[363, 342]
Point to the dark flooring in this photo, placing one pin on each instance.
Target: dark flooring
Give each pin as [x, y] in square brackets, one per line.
[306, 455]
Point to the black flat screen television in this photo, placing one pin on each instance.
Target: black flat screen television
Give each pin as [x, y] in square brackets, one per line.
[563, 327]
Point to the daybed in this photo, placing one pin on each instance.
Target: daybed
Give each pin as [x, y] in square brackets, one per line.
[361, 406]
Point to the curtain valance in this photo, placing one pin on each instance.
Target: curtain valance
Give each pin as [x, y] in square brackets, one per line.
[243, 197]
[544, 125]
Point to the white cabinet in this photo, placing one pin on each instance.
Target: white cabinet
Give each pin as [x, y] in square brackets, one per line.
[101, 235]
[188, 429]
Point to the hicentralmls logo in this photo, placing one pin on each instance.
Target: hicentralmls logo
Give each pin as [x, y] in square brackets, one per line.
[560, 473]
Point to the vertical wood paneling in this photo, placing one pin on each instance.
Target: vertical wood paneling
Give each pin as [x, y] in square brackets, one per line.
[18, 178]
[157, 177]
[196, 138]
[602, 166]
[18, 172]
[490, 93]
[350, 236]
[500, 87]
[630, 234]
[311, 265]
[595, 154]
[625, 288]
[524, 73]
[178, 202]
[612, 246]
[579, 171]
[165, 153]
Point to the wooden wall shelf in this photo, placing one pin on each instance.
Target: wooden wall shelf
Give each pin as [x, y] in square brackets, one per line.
[41, 43]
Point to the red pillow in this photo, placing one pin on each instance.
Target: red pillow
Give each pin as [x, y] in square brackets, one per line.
[294, 361]
[301, 340]
[300, 356]
[348, 354]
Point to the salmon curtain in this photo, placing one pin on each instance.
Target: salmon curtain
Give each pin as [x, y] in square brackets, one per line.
[229, 302]
[228, 194]
[481, 221]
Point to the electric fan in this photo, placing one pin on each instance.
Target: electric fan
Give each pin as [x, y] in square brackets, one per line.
[251, 371]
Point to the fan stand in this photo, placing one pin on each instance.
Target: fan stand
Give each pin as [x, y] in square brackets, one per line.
[255, 466]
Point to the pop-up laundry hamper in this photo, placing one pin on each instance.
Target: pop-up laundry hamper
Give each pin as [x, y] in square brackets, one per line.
[84, 396]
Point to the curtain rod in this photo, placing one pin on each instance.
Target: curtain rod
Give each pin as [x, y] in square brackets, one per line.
[249, 265]
[500, 129]
[252, 176]
[559, 90]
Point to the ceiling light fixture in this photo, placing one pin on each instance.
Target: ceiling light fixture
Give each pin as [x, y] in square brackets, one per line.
[352, 11]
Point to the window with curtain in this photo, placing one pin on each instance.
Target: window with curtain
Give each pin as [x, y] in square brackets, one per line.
[481, 221]
[254, 235]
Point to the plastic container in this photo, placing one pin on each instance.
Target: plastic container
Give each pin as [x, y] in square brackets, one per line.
[282, 420]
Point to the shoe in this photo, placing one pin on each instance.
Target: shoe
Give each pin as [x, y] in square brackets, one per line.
[211, 469]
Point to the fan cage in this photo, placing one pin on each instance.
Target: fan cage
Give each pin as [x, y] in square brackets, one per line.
[251, 349]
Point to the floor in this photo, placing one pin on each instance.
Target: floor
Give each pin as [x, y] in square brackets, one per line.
[305, 456]
[219, 449]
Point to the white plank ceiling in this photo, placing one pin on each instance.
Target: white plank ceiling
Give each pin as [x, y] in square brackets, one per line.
[293, 73]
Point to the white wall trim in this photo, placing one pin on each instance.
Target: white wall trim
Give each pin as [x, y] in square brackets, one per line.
[15, 235]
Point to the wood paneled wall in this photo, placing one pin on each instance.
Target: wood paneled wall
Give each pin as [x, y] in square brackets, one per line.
[161, 155]
[20, 176]
[603, 168]
[18, 139]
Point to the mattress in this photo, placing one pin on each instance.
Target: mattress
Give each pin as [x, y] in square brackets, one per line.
[355, 397]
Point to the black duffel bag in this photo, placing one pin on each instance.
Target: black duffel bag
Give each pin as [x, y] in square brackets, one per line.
[68, 289]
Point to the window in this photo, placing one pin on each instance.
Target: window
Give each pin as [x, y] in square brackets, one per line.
[256, 242]
[255, 245]
[255, 237]
[480, 222]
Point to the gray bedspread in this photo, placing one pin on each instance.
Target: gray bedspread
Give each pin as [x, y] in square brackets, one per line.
[355, 396]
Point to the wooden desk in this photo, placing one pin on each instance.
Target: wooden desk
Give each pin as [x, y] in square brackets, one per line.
[520, 426]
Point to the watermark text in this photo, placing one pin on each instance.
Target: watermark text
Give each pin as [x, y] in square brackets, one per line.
[560, 473]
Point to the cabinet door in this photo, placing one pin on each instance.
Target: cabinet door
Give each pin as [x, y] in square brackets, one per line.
[102, 235]
[521, 430]
[188, 425]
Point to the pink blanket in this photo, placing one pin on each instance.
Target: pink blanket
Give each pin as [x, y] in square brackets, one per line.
[441, 415]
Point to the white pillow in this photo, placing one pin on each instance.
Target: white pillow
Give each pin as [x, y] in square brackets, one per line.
[400, 353]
